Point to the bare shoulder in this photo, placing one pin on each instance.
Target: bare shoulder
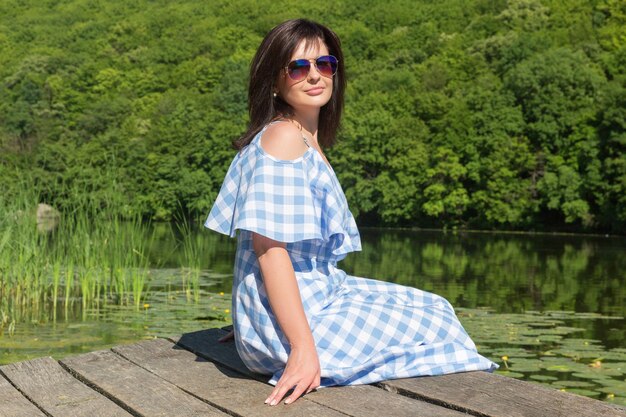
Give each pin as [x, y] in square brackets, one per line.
[283, 141]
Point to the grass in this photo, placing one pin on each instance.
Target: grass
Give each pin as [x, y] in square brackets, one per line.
[193, 245]
[90, 257]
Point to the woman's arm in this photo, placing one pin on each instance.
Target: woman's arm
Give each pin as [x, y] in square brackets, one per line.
[302, 371]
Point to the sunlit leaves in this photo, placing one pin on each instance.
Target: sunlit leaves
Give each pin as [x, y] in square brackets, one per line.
[503, 88]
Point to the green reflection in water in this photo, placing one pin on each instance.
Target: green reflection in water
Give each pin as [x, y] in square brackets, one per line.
[505, 272]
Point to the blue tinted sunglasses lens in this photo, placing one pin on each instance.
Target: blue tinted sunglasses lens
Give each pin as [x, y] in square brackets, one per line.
[299, 68]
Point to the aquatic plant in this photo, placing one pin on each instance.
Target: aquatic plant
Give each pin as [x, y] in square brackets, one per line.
[91, 256]
[193, 246]
[549, 348]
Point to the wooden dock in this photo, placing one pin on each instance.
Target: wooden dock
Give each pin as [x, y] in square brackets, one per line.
[194, 375]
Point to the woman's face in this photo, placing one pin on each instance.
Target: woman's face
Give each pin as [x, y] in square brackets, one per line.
[312, 92]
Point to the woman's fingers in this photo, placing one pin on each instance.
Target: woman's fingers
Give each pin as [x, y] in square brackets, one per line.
[276, 390]
[283, 386]
[303, 389]
[279, 391]
[314, 385]
[297, 392]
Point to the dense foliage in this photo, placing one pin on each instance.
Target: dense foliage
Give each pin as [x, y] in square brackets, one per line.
[470, 113]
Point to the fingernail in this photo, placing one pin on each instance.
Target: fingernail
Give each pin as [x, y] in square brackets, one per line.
[267, 400]
[273, 402]
[287, 401]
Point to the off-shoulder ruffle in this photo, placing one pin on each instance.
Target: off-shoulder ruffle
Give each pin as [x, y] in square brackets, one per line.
[285, 200]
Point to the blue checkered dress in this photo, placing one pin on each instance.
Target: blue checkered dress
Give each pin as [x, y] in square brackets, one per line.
[365, 330]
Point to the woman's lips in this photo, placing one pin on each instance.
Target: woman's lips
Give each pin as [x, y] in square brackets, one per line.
[315, 91]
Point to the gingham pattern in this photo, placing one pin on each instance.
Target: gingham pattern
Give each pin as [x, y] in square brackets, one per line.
[288, 201]
[365, 330]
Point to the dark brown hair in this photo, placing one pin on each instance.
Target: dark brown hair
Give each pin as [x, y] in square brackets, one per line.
[268, 62]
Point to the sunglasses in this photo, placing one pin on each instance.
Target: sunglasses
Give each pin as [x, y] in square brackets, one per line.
[299, 69]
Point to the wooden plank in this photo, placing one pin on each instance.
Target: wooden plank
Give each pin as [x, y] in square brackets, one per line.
[224, 388]
[14, 404]
[498, 396]
[364, 400]
[53, 389]
[134, 388]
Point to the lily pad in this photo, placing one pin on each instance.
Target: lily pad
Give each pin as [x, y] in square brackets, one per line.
[614, 355]
[513, 353]
[567, 330]
[558, 368]
[582, 341]
[543, 378]
[596, 316]
[584, 392]
[510, 374]
[593, 375]
[560, 313]
[618, 366]
[545, 324]
[527, 367]
[554, 338]
[552, 359]
[578, 354]
[612, 368]
[617, 390]
[572, 384]
[525, 342]
[621, 401]
[531, 333]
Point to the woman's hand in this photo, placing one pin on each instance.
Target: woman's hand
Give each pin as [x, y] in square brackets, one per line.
[302, 373]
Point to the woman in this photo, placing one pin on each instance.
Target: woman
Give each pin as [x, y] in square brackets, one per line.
[296, 315]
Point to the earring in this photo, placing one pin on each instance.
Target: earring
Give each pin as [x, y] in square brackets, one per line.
[275, 95]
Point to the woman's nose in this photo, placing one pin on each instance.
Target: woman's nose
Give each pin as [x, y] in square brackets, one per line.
[314, 74]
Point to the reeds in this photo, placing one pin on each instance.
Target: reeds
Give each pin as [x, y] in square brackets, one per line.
[92, 256]
[193, 245]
